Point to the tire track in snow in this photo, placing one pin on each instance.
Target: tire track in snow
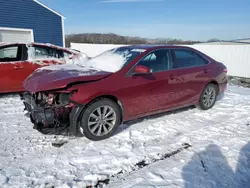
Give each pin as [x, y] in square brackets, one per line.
[82, 162]
[231, 130]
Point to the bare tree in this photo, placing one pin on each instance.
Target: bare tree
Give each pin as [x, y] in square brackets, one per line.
[111, 38]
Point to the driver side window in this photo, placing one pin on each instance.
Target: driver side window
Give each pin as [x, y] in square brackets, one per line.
[157, 60]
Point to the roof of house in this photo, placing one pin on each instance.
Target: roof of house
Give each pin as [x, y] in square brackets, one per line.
[38, 2]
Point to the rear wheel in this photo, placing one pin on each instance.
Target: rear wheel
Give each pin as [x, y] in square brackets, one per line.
[100, 119]
[208, 97]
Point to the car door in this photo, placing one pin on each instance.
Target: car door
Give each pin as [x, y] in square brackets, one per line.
[190, 70]
[11, 66]
[150, 92]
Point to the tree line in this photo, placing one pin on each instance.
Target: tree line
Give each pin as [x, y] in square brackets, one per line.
[111, 38]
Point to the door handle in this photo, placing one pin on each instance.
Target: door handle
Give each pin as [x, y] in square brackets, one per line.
[206, 70]
[171, 77]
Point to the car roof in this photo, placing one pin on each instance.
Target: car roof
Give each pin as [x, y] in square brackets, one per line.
[28, 43]
[154, 46]
[38, 44]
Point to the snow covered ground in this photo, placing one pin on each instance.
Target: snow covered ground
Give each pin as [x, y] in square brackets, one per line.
[186, 148]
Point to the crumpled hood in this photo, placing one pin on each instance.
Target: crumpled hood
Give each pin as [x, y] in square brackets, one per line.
[59, 76]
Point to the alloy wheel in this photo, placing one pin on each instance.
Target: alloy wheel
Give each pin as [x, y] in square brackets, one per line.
[102, 120]
[209, 97]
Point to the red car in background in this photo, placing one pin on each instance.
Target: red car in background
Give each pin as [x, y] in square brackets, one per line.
[19, 60]
[97, 95]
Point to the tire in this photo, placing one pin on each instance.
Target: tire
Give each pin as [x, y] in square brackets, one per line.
[94, 123]
[207, 100]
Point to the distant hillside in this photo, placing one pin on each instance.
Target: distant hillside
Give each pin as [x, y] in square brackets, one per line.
[111, 38]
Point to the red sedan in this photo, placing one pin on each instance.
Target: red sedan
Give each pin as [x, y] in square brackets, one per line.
[122, 84]
[19, 60]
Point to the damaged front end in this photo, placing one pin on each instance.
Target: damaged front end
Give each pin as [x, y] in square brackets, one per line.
[53, 112]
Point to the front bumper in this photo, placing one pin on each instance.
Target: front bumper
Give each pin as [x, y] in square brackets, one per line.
[38, 114]
[47, 117]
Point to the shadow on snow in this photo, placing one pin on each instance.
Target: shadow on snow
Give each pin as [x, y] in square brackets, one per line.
[210, 169]
[127, 124]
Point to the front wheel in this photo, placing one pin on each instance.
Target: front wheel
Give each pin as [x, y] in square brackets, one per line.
[208, 97]
[100, 119]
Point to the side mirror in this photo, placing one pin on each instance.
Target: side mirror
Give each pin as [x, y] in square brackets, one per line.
[141, 69]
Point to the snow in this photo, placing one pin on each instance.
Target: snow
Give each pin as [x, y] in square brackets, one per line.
[218, 157]
[93, 50]
[39, 59]
[76, 59]
[70, 68]
[107, 61]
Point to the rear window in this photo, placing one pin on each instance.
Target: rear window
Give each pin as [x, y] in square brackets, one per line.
[43, 52]
[183, 58]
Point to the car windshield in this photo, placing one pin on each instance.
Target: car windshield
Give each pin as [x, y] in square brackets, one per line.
[113, 60]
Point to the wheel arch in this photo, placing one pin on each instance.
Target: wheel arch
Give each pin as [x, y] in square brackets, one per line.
[202, 88]
[201, 106]
[215, 83]
[110, 97]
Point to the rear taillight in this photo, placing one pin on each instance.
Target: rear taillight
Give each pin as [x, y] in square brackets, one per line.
[222, 66]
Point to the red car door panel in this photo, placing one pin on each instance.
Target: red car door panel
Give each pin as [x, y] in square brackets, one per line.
[11, 65]
[192, 72]
[191, 82]
[21, 74]
[151, 92]
[13, 74]
[7, 82]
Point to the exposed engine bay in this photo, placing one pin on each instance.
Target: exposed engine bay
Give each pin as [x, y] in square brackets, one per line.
[50, 112]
